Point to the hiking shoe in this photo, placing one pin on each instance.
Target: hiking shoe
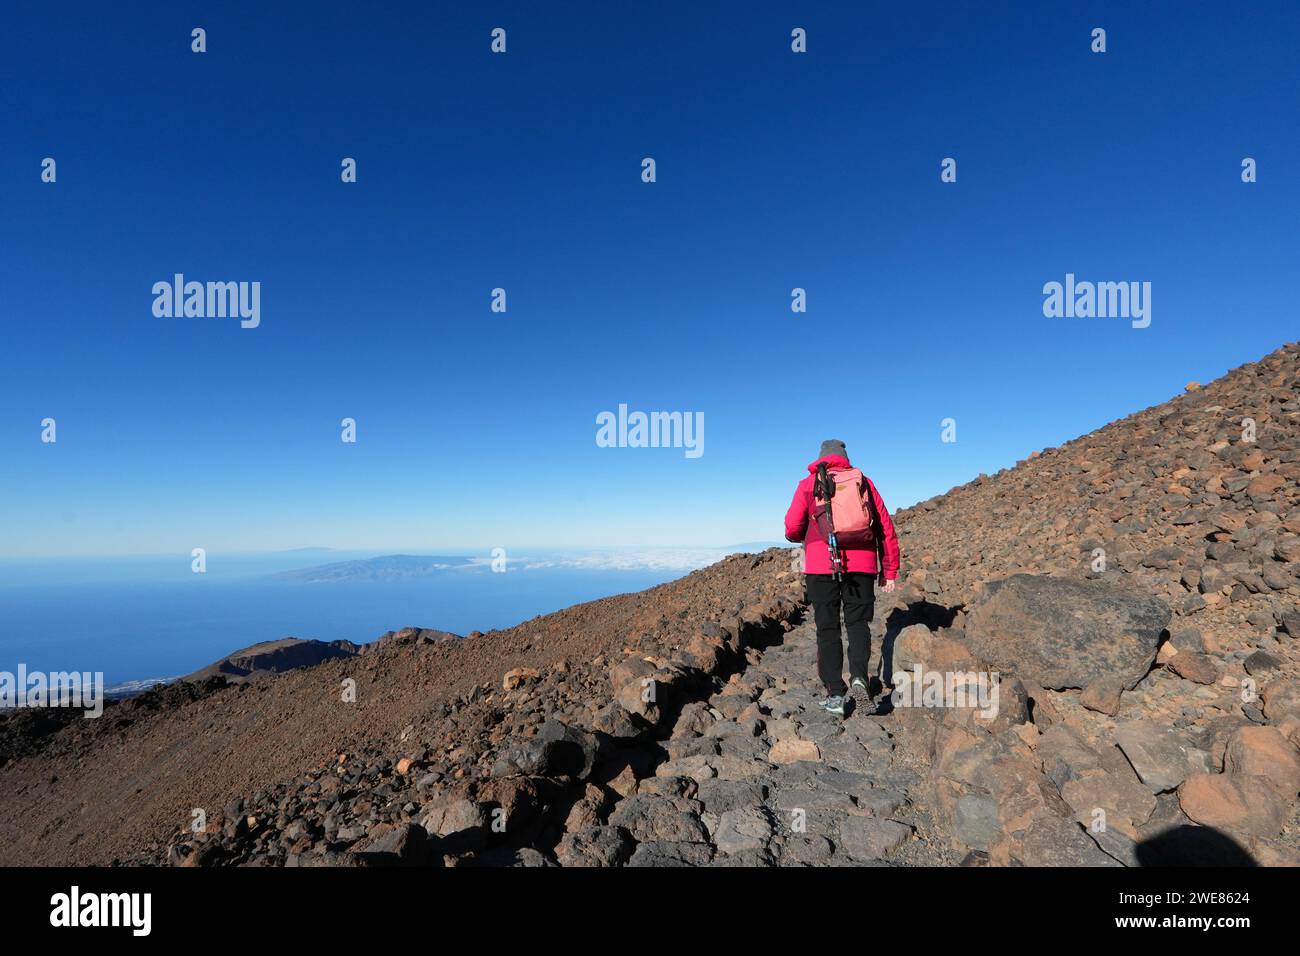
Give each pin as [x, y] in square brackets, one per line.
[833, 705]
[862, 695]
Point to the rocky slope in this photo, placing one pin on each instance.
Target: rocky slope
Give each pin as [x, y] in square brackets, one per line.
[1101, 645]
[120, 787]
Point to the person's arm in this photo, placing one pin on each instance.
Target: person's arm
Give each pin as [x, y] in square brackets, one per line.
[888, 539]
[796, 518]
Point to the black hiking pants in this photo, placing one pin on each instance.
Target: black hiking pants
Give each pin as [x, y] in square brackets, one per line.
[856, 592]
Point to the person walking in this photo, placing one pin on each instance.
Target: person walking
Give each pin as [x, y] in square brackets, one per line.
[848, 541]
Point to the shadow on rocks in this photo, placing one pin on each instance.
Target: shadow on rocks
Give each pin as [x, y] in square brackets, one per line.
[1193, 846]
[934, 616]
[696, 685]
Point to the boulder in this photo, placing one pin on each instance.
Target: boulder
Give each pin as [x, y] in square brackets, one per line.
[614, 721]
[879, 803]
[659, 853]
[1291, 623]
[870, 838]
[694, 720]
[650, 818]
[1187, 639]
[744, 828]
[792, 749]
[1260, 662]
[514, 802]
[462, 823]
[1065, 754]
[573, 751]
[517, 677]
[1127, 803]
[1163, 757]
[533, 756]
[1264, 752]
[1063, 632]
[918, 646]
[719, 796]
[1242, 805]
[1049, 840]
[1102, 696]
[975, 821]
[1198, 668]
[1281, 697]
[589, 811]
[638, 697]
[595, 846]
[404, 845]
[806, 850]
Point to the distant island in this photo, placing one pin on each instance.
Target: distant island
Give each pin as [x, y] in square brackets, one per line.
[386, 567]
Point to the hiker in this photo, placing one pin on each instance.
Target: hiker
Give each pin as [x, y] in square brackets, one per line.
[846, 540]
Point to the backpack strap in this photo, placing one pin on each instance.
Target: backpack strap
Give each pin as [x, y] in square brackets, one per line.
[823, 485]
[875, 530]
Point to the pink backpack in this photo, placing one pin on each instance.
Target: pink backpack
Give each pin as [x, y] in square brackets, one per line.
[851, 508]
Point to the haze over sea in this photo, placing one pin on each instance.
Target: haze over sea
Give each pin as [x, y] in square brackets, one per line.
[139, 618]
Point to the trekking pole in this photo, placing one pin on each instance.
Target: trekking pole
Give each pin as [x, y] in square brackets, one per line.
[827, 489]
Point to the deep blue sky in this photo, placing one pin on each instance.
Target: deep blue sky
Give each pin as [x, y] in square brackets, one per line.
[775, 170]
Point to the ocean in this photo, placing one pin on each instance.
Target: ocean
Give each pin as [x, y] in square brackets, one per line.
[138, 619]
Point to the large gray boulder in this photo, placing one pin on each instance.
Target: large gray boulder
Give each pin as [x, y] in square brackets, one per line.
[1063, 632]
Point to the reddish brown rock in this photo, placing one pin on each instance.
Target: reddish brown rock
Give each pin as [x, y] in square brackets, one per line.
[1265, 485]
[1281, 697]
[1264, 752]
[518, 676]
[793, 750]
[1241, 805]
[1199, 668]
[1102, 696]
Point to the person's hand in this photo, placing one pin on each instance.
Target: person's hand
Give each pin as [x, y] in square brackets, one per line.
[889, 586]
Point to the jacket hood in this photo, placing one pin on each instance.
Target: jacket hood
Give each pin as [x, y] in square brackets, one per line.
[832, 461]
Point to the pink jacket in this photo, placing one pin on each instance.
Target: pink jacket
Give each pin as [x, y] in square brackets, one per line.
[800, 525]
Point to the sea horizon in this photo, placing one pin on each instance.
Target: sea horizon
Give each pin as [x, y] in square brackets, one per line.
[146, 618]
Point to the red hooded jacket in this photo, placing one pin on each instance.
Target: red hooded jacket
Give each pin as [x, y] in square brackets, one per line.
[800, 525]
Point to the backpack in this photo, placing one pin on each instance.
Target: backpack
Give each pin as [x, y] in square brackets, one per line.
[851, 508]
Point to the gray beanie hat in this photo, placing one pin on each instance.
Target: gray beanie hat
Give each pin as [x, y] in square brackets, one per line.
[833, 446]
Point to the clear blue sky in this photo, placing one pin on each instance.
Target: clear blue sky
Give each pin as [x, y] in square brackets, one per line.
[775, 170]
